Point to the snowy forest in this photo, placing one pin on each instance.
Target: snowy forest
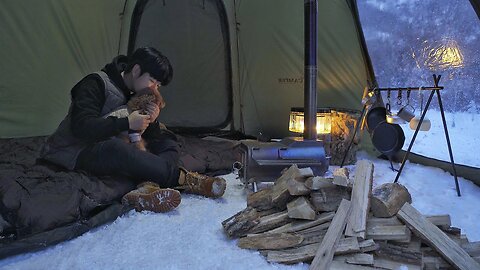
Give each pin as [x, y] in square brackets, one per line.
[410, 40]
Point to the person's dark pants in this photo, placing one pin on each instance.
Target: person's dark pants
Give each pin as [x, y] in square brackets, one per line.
[116, 157]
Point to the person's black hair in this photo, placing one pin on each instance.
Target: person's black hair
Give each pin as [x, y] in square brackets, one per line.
[152, 61]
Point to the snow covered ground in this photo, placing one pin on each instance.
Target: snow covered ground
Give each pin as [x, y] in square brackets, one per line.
[463, 131]
[191, 237]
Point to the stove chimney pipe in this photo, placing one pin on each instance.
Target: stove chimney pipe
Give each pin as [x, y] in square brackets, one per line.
[310, 80]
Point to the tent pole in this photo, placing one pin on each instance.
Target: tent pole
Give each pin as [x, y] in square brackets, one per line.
[310, 85]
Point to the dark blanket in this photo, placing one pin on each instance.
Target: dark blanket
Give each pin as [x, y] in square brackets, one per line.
[42, 204]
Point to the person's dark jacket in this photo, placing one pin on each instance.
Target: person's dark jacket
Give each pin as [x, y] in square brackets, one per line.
[88, 97]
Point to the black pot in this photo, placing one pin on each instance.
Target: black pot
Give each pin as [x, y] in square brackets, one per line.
[388, 138]
[374, 117]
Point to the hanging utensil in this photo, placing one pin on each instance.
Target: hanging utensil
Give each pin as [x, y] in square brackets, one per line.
[405, 113]
[392, 118]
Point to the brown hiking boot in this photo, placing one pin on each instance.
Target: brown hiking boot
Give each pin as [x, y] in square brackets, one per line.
[149, 196]
[192, 182]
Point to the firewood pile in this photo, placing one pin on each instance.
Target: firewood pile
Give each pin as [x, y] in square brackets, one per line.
[340, 223]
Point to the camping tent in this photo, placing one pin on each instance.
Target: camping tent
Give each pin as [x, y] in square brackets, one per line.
[233, 66]
[238, 64]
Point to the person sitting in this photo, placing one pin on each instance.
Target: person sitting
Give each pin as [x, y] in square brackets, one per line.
[86, 141]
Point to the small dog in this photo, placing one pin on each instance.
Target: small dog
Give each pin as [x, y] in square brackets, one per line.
[138, 103]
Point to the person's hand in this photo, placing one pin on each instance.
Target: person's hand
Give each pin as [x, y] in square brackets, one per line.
[153, 110]
[137, 121]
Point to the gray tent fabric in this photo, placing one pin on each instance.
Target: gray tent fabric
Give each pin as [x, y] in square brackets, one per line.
[194, 36]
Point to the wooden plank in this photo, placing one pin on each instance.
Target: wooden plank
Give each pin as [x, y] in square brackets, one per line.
[324, 254]
[360, 258]
[423, 228]
[301, 225]
[396, 232]
[306, 253]
[393, 265]
[362, 188]
[270, 241]
[340, 265]
[441, 221]
[367, 245]
[270, 222]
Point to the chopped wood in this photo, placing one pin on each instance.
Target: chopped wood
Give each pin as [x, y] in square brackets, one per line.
[270, 241]
[423, 228]
[302, 225]
[306, 172]
[394, 232]
[431, 262]
[374, 221]
[239, 224]
[472, 248]
[360, 258]
[328, 199]
[388, 198]
[399, 254]
[306, 253]
[280, 194]
[347, 245]
[341, 265]
[393, 265]
[270, 222]
[325, 252]
[362, 188]
[442, 221]
[301, 208]
[297, 188]
[317, 228]
[261, 200]
[367, 245]
[318, 182]
[340, 177]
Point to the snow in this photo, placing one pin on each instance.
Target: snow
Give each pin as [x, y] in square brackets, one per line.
[191, 236]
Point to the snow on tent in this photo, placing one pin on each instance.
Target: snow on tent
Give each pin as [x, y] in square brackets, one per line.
[239, 67]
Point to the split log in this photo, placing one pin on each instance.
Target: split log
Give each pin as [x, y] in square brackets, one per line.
[341, 177]
[473, 248]
[347, 245]
[360, 259]
[340, 265]
[280, 195]
[328, 198]
[318, 182]
[367, 245]
[395, 232]
[306, 172]
[271, 241]
[302, 225]
[374, 221]
[437, 239]
[307, 253]
[362, 188]
[325, 252]
[270, 222]
[261, 200]
[297, 188]
[442, 221]
[399, 254]
[388, 198]
[393, 265]
[239, 224]
[300, 208]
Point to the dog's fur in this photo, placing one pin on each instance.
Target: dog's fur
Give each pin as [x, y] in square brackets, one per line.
[138, 103]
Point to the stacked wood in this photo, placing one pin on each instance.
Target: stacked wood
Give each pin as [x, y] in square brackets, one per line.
[336, 225]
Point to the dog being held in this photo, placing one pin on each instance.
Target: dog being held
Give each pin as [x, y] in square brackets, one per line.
[138, 102]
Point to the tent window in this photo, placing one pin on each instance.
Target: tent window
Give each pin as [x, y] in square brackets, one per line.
[408, 41]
